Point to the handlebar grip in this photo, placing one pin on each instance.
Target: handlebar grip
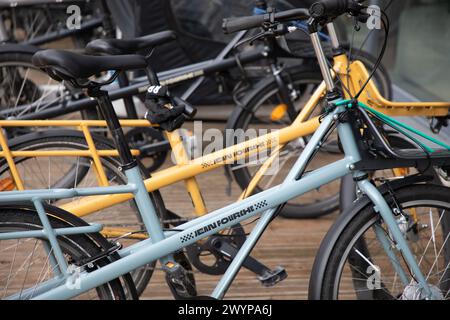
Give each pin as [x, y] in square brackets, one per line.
[231, 25]
[189, 110]
[330, 9]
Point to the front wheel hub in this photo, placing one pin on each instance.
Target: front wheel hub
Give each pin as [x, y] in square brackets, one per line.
[416, 292]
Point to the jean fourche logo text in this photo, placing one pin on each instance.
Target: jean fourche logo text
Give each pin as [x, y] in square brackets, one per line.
[223, 221]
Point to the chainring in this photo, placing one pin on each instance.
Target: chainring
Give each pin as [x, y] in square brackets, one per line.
[216, 263]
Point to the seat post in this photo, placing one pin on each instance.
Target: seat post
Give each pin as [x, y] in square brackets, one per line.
[108, 113]
[152, 76]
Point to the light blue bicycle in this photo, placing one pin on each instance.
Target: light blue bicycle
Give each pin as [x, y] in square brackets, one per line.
[380, 249]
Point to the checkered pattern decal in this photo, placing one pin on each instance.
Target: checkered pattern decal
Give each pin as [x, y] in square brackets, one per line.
[260, 205]
[187, 237]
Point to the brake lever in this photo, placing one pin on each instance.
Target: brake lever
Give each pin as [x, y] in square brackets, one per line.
[356, 10]
[359, 17]
[363, 17]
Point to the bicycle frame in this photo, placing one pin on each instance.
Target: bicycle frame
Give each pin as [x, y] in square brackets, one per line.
[299, 128]
[162, 243]
[145, 251]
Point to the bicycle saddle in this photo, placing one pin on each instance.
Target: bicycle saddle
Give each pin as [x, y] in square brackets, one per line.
[129, 46]
[66, 65]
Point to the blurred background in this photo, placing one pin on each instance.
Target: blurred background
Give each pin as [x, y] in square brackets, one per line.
[417, 55]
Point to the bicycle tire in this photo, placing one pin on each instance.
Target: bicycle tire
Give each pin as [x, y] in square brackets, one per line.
[67, 139]
[76, 247]
[350, 236]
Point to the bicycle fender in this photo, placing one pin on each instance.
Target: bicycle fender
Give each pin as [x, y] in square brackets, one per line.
[57, 133]
[18, 48]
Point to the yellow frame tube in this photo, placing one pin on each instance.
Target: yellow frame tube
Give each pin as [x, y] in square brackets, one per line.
[371, 96]
[6, 152]
[87, 205]
[100, 173]
[304, 114]
[191, 184]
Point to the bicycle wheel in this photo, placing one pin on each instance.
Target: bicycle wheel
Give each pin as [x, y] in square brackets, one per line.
[70, 172]
[256, 116]
[26, 263]
[26, 89]
[41, 23]
[358, 266]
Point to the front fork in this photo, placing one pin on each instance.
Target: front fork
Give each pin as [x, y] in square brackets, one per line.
[383, 208]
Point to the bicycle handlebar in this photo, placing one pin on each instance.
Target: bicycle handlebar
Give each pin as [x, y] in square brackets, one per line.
[231, 25]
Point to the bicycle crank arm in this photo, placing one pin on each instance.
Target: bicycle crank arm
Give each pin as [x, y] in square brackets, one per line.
[155, 147]
[267, 277]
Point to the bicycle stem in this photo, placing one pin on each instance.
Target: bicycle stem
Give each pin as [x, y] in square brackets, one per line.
[322, 60]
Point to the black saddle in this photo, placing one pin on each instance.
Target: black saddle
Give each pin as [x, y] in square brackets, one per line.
[129, 46]
[66, 65]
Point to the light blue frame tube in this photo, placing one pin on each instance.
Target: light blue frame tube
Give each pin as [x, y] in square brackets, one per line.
[385, 211]
[94, 227]
[147, 253]
[387, 247]
[50, 234]
[146, 209]
[36, 196]
[244, 251]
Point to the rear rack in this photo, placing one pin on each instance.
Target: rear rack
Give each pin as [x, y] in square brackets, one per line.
[372, 97]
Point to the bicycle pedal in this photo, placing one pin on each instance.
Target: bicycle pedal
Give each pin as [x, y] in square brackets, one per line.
[272, 277]
[179, 282]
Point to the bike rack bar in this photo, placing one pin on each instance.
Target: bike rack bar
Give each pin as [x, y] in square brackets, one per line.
[93, 228]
